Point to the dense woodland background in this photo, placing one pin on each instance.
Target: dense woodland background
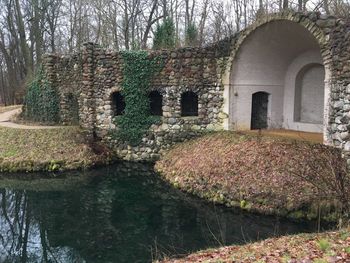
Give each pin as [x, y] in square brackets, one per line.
[30, 28]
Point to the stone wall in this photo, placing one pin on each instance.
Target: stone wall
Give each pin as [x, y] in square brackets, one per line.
[339, 114]
[66, 73]
[96, 73]
[188, 69]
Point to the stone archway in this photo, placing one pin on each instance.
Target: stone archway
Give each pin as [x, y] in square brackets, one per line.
[267, 57]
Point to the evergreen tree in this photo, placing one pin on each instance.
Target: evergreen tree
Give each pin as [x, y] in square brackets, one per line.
[191, 35]
[164, 37]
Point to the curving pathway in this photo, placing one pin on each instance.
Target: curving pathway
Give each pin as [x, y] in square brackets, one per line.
[5, 121]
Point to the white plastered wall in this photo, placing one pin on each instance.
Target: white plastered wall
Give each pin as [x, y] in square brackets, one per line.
[262, 63]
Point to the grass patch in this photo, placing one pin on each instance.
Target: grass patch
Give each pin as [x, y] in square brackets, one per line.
[8, 153]
[323, 244]
[45, 150]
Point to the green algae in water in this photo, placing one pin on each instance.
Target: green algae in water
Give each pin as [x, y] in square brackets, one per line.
[121, 213]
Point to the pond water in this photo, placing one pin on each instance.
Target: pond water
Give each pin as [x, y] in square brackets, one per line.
[120, 213]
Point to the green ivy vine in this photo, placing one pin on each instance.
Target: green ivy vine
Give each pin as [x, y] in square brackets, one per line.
[138, 70]
[41, 101]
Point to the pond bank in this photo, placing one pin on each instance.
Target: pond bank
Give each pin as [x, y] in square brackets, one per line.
[264, 174]
[120, 213]
[34, 148]
[318, 248]
[64, 148]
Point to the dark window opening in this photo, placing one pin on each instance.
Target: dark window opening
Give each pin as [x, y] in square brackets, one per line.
[189, 104]
[118, 103]
[156, 103]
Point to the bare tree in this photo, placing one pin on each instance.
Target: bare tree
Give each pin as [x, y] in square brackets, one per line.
[30, 28]
[203, 19]
[326, 6]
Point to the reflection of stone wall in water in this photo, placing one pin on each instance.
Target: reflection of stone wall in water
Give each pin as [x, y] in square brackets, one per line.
[117, 214]
[95, 74]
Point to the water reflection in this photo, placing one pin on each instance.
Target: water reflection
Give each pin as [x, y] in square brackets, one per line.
[118, 214]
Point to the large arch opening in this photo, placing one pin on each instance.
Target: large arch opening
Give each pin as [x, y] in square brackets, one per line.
[283, 59]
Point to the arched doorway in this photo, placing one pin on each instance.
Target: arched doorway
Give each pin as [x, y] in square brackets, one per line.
[259, 118]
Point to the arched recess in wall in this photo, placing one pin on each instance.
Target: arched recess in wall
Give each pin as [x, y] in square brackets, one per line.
[261, 62]
[189, 104]
[156, 103]
[309, 94]
[118, 103]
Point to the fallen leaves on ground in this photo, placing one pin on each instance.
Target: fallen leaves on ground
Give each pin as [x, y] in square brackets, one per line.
[266, 174]
[329, 247]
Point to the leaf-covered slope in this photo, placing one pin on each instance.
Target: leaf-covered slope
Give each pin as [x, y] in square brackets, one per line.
[265, 174]
[321, 248]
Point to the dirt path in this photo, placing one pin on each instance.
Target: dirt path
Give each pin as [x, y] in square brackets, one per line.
[5, 121]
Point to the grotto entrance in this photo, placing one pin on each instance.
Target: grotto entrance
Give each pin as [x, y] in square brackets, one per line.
[282, 59]
[260, 102]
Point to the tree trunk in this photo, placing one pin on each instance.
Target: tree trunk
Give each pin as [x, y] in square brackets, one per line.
[23, 40]
[37, 32]
[202, 22]
[326, 7]
[300, 5]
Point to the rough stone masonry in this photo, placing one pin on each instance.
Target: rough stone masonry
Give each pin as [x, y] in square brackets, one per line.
[87, 81]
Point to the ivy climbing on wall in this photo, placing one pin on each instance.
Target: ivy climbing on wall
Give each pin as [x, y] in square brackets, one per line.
[138, 70]
[41, 101]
